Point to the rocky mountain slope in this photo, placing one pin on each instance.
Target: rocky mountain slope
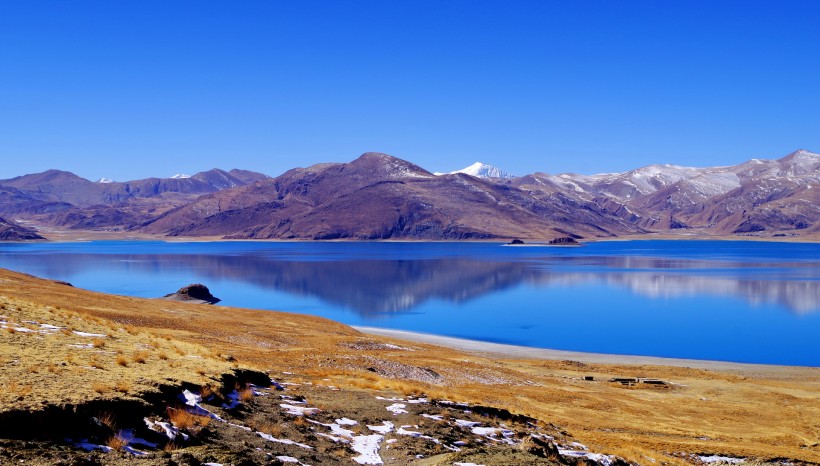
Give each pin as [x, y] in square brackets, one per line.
[10, 231]
[63, 199]
[774, 196]
[381, 197]
[378, 197]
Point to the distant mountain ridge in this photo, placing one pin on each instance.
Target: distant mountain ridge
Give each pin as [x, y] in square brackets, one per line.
[377, 196]
[63, 199]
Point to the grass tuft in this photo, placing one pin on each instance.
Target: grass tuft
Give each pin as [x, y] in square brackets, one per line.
[118, 441]
[246, 394]
[186, 420]
[100, 387]
[140, 357]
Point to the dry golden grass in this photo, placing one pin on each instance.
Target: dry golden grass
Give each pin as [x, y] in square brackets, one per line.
[123, 386]
[61, 366]
[765, 412]
[208, 390]
[100, 387]
[107, 419]
[170, 447]
[118, 441]
[186, 420]
[140, 357]
[246, 394]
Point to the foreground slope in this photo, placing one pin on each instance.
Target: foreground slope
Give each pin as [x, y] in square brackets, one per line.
[740, 411]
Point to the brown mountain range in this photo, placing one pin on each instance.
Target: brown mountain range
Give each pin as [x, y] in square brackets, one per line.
[378, 196]
[63, 199]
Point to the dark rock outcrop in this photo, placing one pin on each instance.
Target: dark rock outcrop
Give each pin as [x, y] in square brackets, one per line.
[195, 293]
[564, 241]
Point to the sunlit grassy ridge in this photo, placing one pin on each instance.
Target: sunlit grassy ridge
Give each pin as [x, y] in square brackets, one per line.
[54, 355]
[743, 411]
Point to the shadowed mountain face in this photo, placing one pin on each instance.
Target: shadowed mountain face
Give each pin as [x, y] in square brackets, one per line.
[10, 231]
[63, 199]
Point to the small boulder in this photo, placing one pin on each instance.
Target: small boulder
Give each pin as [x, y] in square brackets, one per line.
[195, 293]
[564, 241]
[516, 241]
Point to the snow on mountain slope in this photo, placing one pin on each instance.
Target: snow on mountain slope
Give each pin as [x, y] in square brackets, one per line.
[482, 170]
[180, 176]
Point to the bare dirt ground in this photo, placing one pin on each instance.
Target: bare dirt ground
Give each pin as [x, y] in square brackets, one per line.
[768, 414]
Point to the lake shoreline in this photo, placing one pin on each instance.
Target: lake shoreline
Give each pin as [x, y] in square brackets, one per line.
[508, 351]
[68, 236]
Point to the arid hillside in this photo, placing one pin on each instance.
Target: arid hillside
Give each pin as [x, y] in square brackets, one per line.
[128, 348]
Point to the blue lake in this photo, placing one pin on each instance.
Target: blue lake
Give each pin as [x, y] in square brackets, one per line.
[730, 301]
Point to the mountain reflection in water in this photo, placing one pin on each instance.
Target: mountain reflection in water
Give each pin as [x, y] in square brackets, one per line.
[375, 286]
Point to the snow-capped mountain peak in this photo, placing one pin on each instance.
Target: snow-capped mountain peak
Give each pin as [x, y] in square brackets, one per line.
[105, 180]
[482, 170]
[180, 176]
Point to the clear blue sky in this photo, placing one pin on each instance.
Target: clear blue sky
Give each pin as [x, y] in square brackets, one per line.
[130, 89]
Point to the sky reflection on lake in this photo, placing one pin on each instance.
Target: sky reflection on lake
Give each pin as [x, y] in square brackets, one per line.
[751, 302]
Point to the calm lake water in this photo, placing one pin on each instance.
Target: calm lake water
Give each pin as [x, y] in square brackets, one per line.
[730, 301]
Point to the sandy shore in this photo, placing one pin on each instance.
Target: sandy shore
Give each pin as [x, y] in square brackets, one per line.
[523, 352]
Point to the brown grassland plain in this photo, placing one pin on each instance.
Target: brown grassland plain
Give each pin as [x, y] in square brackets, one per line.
[742, 411]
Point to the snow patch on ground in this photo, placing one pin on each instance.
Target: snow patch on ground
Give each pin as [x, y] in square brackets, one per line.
[385, 428]
[346, 422]
[599, 458]
[165, 428]
[721, 459]
[367, 446]
[86, 334]
[192, 400]
[299, 410]
[233, 400]
[285, 441]
[397, 408]
[463, 423]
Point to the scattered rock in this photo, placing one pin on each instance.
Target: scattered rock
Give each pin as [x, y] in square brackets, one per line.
[564, 241]
[195, 293]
